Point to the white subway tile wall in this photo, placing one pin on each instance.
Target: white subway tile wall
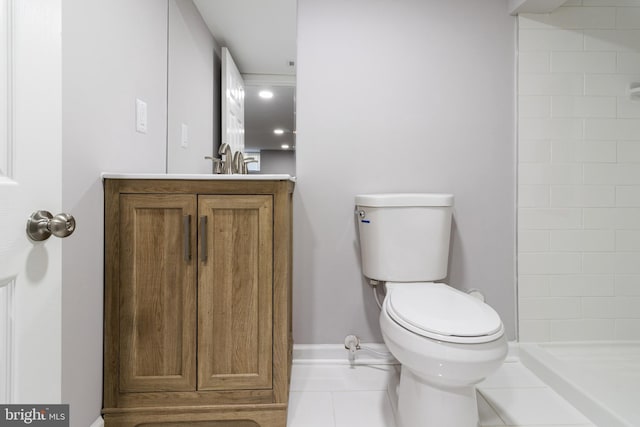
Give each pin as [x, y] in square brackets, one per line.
[579, 172]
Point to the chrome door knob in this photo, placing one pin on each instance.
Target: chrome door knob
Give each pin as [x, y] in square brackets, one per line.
[41, 225]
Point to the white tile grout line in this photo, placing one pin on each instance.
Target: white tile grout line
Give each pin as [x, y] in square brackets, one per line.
[333, 409]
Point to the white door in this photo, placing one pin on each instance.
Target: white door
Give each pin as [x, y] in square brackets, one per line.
[232, 103]
[30, 180]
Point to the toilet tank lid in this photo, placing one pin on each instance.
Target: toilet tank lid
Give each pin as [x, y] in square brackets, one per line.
[404, 199]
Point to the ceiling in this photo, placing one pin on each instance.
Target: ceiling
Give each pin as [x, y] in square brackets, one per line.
[261, 34]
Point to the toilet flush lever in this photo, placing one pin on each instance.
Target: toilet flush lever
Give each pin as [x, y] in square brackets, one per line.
[41, 225]
[362, 215]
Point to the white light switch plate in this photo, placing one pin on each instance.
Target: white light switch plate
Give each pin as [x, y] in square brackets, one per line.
[184, 136]
[141, 116]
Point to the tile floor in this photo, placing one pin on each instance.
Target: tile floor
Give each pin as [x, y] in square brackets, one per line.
[338, 395]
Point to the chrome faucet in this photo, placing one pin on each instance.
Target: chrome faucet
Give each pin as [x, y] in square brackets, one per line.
[231, 162]
[238, 162]
[227, 162]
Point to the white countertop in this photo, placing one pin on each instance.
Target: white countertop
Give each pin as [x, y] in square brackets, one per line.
[212, 177]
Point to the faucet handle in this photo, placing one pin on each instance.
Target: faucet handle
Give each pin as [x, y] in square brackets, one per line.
[248, 160]
[217, 164]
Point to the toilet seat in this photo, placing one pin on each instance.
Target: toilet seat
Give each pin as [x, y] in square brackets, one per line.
[440, 312]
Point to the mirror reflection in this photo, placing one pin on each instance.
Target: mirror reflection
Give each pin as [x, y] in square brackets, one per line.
[261, 38]
[270, 126]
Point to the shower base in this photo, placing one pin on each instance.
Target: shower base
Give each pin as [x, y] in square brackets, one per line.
[601, 379]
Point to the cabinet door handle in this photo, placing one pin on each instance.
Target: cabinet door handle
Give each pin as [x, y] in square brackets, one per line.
[186, 237]
[203, 238]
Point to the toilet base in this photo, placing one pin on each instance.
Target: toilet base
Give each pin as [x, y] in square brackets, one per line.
[421, 404]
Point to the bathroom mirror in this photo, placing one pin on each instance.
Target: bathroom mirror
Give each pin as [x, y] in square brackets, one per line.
[261, 37]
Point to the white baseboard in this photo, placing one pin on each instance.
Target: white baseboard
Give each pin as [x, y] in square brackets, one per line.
[99, 422]
[337, 354]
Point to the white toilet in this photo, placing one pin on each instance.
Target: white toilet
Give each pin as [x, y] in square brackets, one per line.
[445, 339]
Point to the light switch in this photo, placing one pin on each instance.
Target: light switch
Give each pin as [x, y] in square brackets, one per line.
[184, 138]
[141, 116]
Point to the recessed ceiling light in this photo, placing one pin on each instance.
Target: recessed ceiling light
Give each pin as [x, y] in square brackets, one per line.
[285, 146]
[278, 131]
[265, 94]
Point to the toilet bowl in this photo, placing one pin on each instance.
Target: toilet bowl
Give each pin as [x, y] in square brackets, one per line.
[440, 369]
[446, 340]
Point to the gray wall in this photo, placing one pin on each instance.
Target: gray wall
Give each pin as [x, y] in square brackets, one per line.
[113, 51]
[410, 96]
[193, 98]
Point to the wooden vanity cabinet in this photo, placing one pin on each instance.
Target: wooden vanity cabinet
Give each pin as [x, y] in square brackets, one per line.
[197, 302]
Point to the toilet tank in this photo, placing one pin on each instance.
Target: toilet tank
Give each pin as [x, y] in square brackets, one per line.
[404, 237]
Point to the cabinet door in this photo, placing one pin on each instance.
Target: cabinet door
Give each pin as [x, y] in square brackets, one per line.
[157, 292]
[235, 292]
